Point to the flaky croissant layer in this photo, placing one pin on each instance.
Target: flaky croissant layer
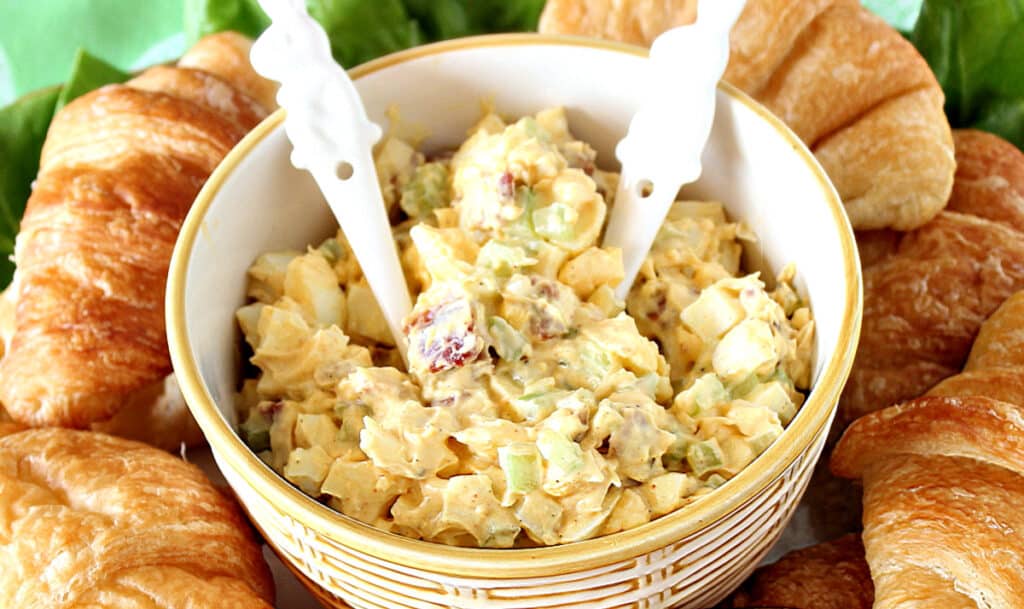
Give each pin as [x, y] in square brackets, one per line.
[858, 94]
[93, 521]
[119, 171]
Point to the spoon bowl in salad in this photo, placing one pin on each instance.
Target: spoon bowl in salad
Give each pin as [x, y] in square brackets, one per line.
[431, 96]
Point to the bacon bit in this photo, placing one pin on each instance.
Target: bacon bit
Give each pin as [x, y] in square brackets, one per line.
[449, 351]
[452, 353]
[424, 318]
[270, 409]
[507, 185]
[545, 287]
[543, 325]
[545, 328]
[660, 304]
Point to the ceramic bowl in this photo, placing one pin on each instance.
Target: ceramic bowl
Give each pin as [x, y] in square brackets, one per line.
[256, 202]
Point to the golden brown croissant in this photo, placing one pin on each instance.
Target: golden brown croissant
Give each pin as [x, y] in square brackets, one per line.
[831, 575]
[926, 293]
[943, 485]
[633, 21]
[119, 170]
[995, 368]
[93, 521]
[860, 95]
[944, 481]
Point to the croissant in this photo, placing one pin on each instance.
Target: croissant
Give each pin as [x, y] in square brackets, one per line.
[927, 292]
[944, 481]
[860, 95]
[831, 575]
[995, 367]
[89, 520]
[119, 170]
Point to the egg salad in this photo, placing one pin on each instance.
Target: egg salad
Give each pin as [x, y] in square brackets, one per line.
[535, 408]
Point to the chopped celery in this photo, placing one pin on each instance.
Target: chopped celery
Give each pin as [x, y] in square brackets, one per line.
[522, 226]
[508, 342]
[716, 480]
[255, 431]
[556, 222]
[676, 452]
[595, 362]
[780, 376]
[560, 451]
[744, 386]
[536, 406]
[426, 191]
[704, 456]
[521, 465]
[648, 384]
[332, 250]
[762, 441]
[503, 258]
[707, 391]
[533, 129]
[774, 396]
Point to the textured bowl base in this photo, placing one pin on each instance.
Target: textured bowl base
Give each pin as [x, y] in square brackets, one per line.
[693, 575]
[322, 596]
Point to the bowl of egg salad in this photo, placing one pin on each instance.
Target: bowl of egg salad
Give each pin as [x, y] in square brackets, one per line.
[543, 443]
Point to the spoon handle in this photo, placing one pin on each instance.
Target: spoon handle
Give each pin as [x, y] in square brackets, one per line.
[333, 139]
[662, 149]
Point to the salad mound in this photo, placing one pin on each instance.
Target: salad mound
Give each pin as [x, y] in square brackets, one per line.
[535, 408]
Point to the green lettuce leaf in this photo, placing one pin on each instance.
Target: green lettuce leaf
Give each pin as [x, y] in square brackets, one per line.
[23, 126]
[361, 30]
[88, 73]
[976, 49]
[204, 17]
[444, 19]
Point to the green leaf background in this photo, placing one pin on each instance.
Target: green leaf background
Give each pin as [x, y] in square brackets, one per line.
[976, 48]
[130, 35]
[22, 128]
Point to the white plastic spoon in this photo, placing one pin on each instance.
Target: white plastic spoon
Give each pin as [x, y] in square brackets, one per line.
[662, 149]
[333, 139]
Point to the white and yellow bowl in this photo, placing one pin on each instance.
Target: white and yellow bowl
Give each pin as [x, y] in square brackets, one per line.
[256, 201]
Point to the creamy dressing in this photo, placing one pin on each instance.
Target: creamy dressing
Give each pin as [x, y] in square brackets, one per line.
[536, 408]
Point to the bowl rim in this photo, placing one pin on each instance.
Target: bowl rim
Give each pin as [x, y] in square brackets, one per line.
[505, 564]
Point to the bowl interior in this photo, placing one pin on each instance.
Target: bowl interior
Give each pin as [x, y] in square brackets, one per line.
[258, 202]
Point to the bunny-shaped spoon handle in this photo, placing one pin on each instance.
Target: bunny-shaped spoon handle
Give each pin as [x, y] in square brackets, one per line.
[663, 147]
[333, 139]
